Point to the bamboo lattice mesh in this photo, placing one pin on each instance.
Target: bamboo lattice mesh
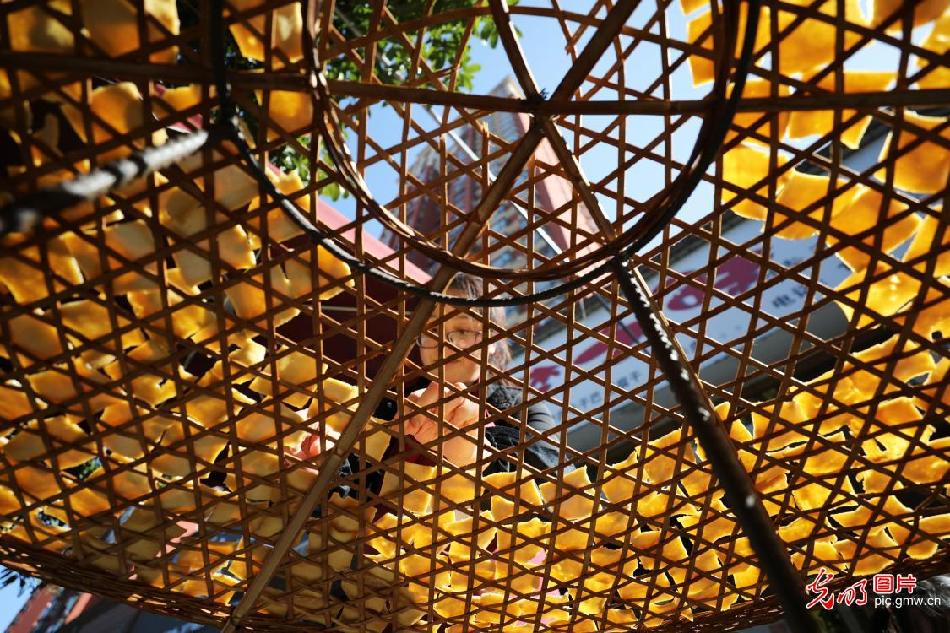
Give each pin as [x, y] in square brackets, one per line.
[178, 358]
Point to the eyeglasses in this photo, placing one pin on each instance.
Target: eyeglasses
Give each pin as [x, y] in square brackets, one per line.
[457, 338]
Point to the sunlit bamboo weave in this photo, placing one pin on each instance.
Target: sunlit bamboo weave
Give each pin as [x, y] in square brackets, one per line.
[168, 351]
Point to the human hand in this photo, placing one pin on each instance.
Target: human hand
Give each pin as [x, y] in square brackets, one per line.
[458, 412]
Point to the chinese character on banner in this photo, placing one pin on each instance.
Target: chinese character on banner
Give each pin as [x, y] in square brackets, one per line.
[825, 598]
[855, 594]
[883, 583]
[908, 582]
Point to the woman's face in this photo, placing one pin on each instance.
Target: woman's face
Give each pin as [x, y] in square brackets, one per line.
[461, 331]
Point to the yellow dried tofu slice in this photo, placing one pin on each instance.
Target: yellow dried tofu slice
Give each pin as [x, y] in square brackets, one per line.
[130, 484]
[653, 504]
[886, 295]
[799, 529]
[177, 500]
[180, 98]
[925, 167]
[210, 555]
[84, 248]
[576, 495]
[285, 36]
[937, 41]
[14, 403]
[255, 427]
[197, 322]
[816, 495]
[417, 501]
[824, 554]
[147, 387]
[527, 489]
[296, 369]
[702, 68]
[38, 483]
[638, 587]
[742, 168]
[711, 527]
[178, 462]
[620, 620]
[266, 526]
[280, 227]
[572, 536]
[374, 440]
[464, 536]
[611, 524]
[212, 410]
[113, 26]
[8, 502]
[930, 469]
[458, 488]
[27, 283]
[63, 431]
[117, 108]
[260, 464]
[289, 110]
[133, 241]
[193, 269]
[661, 466]
[307, 572]
[621, 481]
[924, 11]
[913, 360]
[751, 125]
[898, 412]
[938, 525]
[56, 385]
[35, 337]
[898, 526]
[605, 568]
[803, 191]
[384, 535]
[92, 320]
[491, 608]
[35, 29]
[222, 512]
[745, 575]
[124, 448]
[250, 300]
[811, 45]
[330, 269]
[339, 392]
[935, 317]
[793, 414]
[417, 567]
[529, 540]
[867, 561]
[234, 189]
[821, 459]
[877, 481]
[568, 569]
[863, 214]
[923, 248]
[807, 122]
[83, 501]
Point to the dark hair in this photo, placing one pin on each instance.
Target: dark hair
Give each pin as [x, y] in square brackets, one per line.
[472, 287]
